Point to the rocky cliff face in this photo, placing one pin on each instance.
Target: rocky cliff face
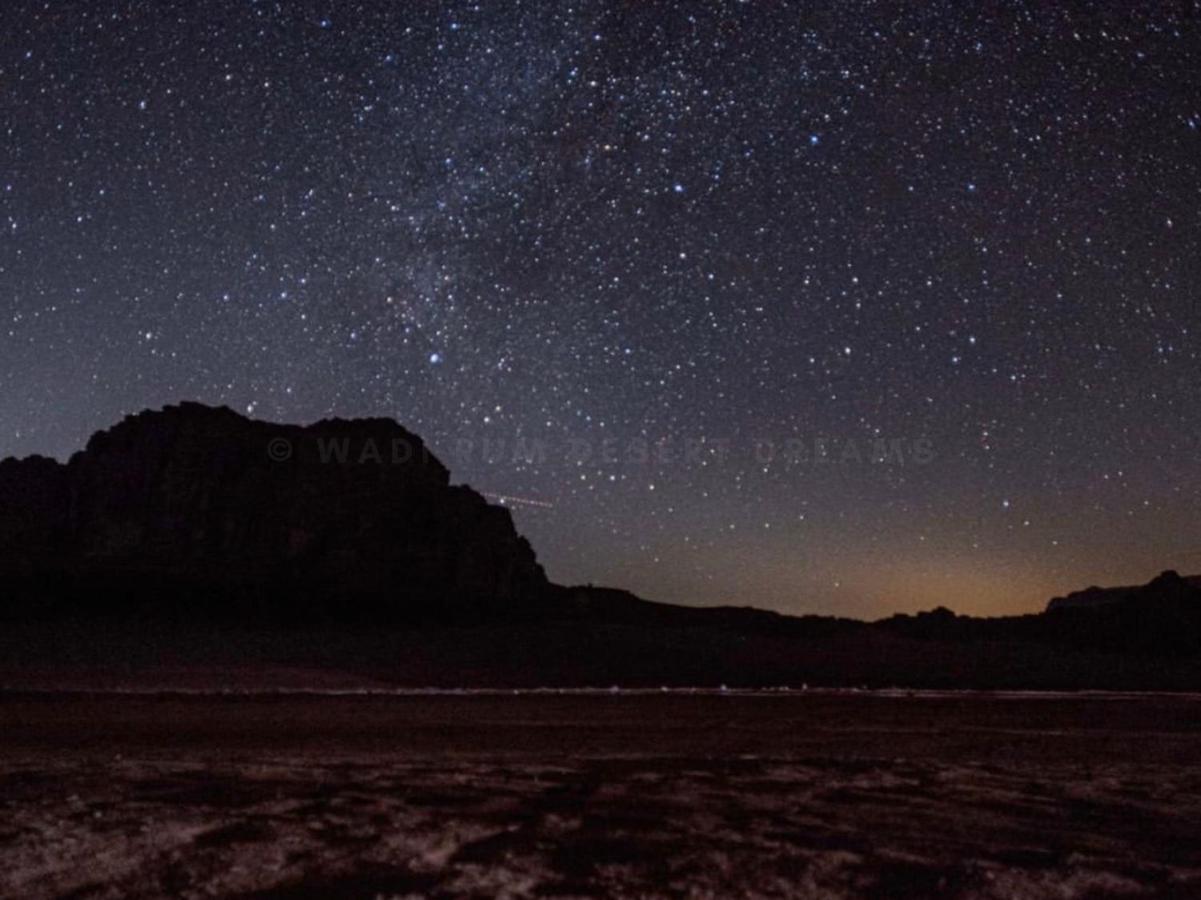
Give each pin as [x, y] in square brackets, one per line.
[338, 519]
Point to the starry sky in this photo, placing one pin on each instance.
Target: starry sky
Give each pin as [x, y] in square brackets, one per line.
[852, 307]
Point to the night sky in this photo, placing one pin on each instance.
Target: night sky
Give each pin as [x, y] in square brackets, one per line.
[674, 250]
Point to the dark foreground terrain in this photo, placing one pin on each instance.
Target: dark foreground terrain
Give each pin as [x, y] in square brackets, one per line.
[625, 794]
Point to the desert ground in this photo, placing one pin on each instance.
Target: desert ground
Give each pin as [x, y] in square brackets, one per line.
[626, 794]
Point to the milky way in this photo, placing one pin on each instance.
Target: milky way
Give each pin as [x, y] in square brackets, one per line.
[825, 307]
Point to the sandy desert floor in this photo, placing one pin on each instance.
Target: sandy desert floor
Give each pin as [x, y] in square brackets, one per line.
[539, 795]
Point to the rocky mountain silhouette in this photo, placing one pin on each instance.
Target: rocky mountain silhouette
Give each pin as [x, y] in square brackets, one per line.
[198, 511]
[343, 545]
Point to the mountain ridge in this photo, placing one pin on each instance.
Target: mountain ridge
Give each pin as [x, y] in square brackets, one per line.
[202, 517]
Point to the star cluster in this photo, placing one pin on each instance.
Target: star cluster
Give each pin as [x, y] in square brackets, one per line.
[642, 265]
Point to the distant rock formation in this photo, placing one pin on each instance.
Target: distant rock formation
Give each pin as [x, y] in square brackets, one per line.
[193, 509]
[1160, 618]
[1168, 584]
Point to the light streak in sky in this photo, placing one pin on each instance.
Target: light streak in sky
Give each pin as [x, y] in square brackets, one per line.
[506, 500]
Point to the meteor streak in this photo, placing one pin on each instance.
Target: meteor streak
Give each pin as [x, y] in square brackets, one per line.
[506, 500]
